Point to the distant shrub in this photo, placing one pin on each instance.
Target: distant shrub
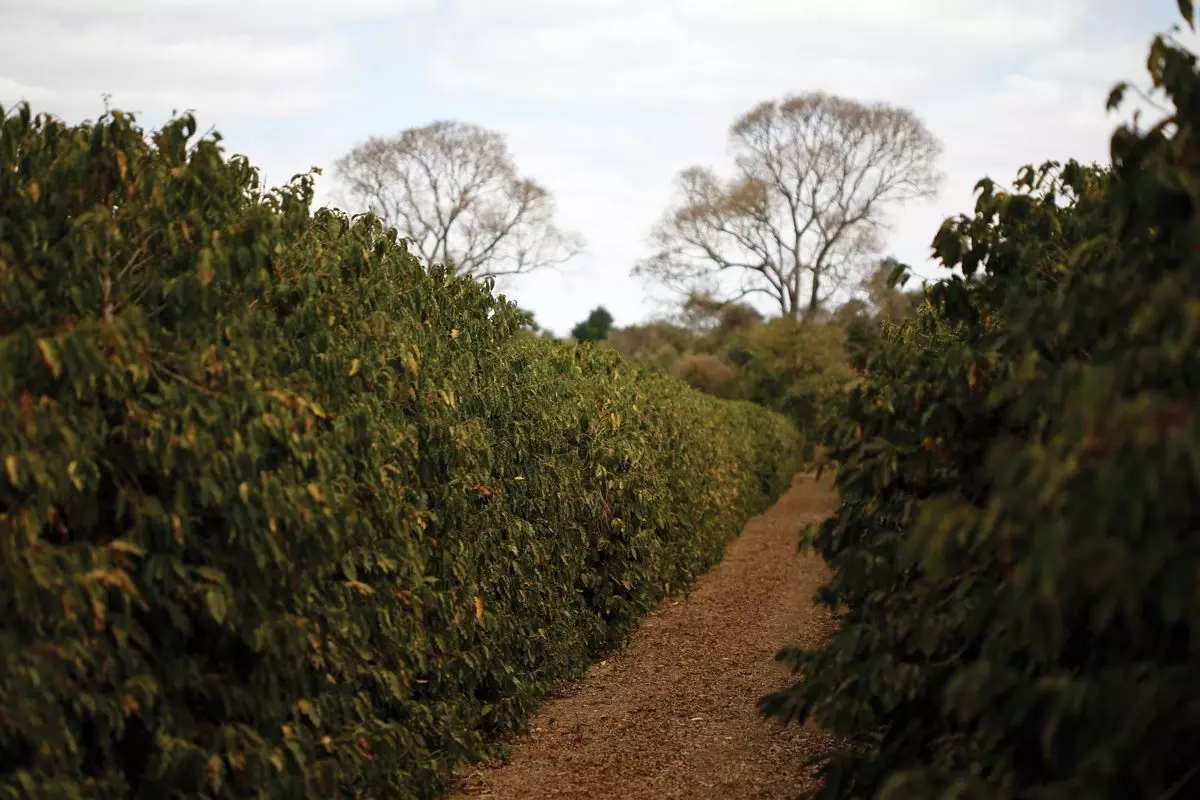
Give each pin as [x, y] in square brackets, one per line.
[707, 373]
[595, 328]
[798, 369]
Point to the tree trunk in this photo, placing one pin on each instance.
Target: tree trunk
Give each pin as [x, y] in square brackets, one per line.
[791, 302]
[814, 304]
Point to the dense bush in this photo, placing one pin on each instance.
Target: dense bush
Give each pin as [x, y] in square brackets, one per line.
[661, 344]
[595, 328]
[708, 374]
[799, 369]
[864, 319]
[1017, 551]
[284, 513]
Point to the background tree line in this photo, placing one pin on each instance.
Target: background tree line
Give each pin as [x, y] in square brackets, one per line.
[800, 367]
[798, 226]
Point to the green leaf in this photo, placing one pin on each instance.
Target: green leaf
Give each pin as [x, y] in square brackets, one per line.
[217, 607]
[1116, 96]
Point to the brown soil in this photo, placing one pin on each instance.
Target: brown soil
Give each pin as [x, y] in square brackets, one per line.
[674, 714]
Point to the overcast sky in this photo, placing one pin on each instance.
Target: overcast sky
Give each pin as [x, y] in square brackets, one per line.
[602, 101]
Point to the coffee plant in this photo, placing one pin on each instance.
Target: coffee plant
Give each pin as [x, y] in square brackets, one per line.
[1016, 557]
[285, 513]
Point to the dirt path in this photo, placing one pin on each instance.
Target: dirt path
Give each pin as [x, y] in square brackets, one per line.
[674, 714]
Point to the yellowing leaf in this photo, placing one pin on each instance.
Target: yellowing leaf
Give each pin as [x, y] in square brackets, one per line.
[354, 365]
[215, 772]
[49, 358]
[10, 466]
[217, 607]
[209, 574]
[204, 269]
[314, 492]
[454, 333]
[73, 474]
[975, 372]
[362, 588]
[126, 546]
[113, 579]
[478, 608]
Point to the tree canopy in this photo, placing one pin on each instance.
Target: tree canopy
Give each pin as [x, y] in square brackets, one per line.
[453, 190]
[595, 328]
[805, 207]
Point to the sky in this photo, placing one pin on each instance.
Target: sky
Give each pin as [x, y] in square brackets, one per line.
[601, 101]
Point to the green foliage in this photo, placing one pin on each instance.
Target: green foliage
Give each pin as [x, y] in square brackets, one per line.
[716, 321]
[530, 324]
[658, 343]
[595, 328]
[863, 320]
[708, 374]
[1016, 555]
[284, 513]
[799, 369]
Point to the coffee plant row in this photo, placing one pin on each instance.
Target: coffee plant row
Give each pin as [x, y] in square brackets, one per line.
[1016, 558]
[286, 513]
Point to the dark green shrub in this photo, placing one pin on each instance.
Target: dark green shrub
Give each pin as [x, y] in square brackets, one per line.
[1016, 554]
[595, 328]
[284, 513]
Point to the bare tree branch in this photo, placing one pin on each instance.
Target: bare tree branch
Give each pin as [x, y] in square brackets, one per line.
[805, 210]
[452, 190]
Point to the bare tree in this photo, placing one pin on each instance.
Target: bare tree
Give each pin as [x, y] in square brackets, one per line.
[452, 189]
[806, 207]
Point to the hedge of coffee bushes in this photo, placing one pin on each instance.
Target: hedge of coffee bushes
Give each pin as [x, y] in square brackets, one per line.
[285, 513]
[1017, 553]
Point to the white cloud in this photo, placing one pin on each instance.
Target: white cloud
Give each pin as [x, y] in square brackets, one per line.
[225, 57]
[277, 13]
[704, 50]
[161, 58]
[646, 56]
